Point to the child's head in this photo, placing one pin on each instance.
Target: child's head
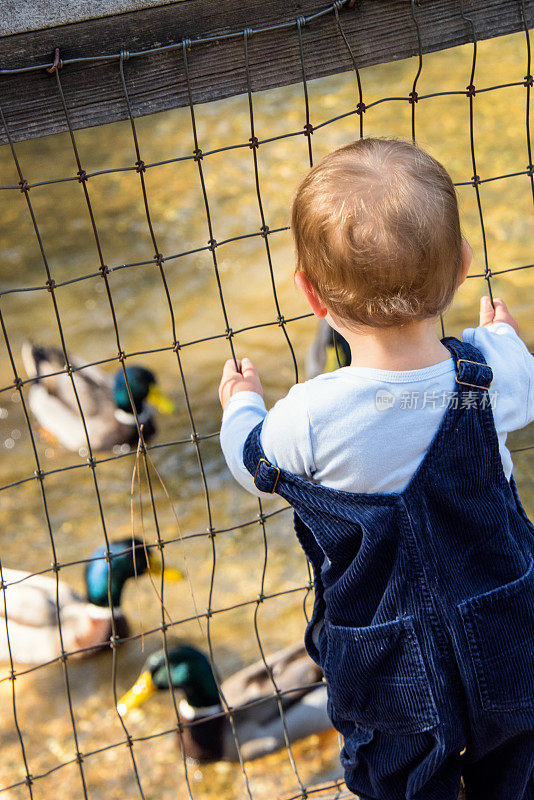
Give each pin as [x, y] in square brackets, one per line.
[377, 233]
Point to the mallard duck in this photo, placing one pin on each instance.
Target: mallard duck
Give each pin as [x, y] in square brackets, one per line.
[105, 401]
[322, 355]
[207, 734]
[85, 622]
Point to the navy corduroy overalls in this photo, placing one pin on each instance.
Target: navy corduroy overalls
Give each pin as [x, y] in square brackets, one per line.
[423, 620]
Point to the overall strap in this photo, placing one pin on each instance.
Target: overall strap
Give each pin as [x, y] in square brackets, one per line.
[473, 403]
[472, 372]
[266, 475]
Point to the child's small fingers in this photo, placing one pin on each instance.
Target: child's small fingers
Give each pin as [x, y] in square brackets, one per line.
[486, 310]
[502, 314]
[227, 387]
[501, 310]
[229, 367]
[247, 368]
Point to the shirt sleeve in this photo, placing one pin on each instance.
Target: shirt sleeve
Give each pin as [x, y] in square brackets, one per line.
[513, 369]
[285, 435]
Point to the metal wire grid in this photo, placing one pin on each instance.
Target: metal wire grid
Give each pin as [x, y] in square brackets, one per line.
[104, 272]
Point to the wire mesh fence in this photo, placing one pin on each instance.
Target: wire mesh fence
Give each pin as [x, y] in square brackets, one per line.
[172, 492]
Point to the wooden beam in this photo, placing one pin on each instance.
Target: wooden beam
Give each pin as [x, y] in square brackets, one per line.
[377, 30]
[21, 16]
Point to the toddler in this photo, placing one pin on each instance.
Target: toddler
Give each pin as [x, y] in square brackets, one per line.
[401, 482]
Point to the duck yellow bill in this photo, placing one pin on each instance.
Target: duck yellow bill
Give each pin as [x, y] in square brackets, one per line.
[169, 573]
[160, 400]
[142, 689]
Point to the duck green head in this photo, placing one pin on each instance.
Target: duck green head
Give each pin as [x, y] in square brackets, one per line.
[128, 558]
[189, 670]
[143, 386]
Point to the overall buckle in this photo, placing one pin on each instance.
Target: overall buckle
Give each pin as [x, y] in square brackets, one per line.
[270, 466]
[473, 385]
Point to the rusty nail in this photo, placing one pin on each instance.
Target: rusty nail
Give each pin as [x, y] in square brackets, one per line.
[55, 65]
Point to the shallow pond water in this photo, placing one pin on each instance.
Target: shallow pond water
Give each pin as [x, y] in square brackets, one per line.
[143, 320]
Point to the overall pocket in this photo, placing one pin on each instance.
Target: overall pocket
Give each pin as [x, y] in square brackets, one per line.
[376, 677]
[499, 627]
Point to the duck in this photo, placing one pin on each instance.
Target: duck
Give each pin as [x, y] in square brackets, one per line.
[86, 624]
[207, 733]
[104, 400]
[328, 352]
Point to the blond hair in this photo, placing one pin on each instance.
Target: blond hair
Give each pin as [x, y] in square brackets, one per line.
[377, 232]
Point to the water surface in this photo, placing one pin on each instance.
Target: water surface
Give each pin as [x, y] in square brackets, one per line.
[144, 323]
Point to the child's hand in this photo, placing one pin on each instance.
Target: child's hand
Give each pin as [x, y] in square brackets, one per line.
[246, 380]
[500, 313]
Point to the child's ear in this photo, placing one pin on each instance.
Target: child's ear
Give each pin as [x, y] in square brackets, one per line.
[467, 257]
[310, 293]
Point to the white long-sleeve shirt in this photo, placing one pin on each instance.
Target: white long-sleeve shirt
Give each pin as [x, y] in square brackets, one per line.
[361, 429]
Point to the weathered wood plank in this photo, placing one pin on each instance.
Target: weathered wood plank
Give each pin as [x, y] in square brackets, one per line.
[20, 16]
[378, 31]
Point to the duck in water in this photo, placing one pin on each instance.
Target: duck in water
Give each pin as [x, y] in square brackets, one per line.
[105, 402]
[207, 732]
[33, 603]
